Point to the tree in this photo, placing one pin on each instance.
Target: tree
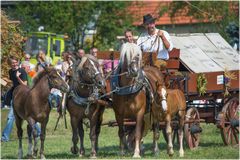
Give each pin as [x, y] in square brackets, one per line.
[11, 43]
[220, 13]
[75, 18]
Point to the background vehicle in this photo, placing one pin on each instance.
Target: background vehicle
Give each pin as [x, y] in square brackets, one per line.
[52, 44]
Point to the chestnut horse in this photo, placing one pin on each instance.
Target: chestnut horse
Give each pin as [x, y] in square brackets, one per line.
[32, 104]
[85, 85]
[129, 101]
[167, 104]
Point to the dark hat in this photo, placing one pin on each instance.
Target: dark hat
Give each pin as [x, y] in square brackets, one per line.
[148, 19]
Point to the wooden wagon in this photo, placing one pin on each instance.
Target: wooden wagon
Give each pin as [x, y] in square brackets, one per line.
[205, 68]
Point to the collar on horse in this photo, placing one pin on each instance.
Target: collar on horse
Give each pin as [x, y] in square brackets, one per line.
[79, 100]
[126, 90]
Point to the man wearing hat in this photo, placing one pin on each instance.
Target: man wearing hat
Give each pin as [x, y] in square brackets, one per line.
[155, 40]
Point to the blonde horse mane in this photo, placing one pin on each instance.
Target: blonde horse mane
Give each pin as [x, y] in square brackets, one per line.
[130, 50]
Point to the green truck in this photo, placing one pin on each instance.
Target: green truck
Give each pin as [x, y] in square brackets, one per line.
[52, 44]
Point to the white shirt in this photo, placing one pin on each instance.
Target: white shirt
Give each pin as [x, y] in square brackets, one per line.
[149, 43]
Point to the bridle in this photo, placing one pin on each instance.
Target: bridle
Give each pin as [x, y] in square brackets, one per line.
[163, 99]
[92, 87]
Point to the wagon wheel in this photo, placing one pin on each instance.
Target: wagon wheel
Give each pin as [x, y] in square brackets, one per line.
[192, 130]
[229, 118]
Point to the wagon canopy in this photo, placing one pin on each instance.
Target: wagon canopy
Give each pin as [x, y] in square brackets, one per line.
[205, 52]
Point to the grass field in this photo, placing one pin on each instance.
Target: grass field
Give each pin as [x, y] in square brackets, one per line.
[58, 143]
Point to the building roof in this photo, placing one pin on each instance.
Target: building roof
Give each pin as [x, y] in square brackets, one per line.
[140, 8]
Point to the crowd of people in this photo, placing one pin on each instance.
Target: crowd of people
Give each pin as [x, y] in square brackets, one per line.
[152, 40]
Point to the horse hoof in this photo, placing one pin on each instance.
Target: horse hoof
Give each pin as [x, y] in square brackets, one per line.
[20, 154]
[170, 153]
[122, 153]
[42, 156]
[181, 154]
[81, 154]
[74, 150]
[35, 153]
[136, 156]
[29, 156]
[93, 156]
[156, 153]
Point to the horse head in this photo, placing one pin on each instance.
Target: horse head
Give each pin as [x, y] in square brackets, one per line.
[131, 57]
[55, 80]
[134, 67]
[89, 72]
[160, 95]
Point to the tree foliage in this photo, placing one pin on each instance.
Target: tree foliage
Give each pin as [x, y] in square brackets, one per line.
[220, 13]
[11, 42]
[75, 18]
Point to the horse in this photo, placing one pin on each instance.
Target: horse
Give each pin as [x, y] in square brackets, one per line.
[129, 95]
[151, 74]
[32, 105]
[167, 104]
[86, 84]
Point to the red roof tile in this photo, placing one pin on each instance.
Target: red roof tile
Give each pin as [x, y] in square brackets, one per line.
[140, 8]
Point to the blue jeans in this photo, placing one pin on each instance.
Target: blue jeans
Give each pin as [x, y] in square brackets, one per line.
[8, 128]
[54, 99]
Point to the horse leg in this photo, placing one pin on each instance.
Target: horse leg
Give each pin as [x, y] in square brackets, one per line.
[19, 122]
[138, 134]
[74, 123]
[180, 132]
[42, 137]
[169, 134]
[155, 138]
[93, 136]
[35, 136]
[121, 134]
[29, 132]
[130, 137]
[99, 123]
[81, 135]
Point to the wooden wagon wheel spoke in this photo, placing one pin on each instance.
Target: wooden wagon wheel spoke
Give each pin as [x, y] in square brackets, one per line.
[233, 110]
[230, 122]
[236, 134]
[191, 128]
[229, 134]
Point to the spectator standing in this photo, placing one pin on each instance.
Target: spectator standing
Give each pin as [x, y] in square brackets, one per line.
[27, 58]
[42, 60]
[18, 76]
[94, 51]
[129, 36]
[67, 64]
[80, 53]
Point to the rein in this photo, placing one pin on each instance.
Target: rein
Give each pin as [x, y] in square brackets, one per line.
[119, 88]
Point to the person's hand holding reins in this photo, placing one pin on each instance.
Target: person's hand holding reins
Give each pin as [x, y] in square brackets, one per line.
[160, 33]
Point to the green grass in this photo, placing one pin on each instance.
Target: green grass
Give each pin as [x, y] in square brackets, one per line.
[58, 143]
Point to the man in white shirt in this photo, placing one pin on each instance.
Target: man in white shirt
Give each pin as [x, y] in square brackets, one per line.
[155, 40]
